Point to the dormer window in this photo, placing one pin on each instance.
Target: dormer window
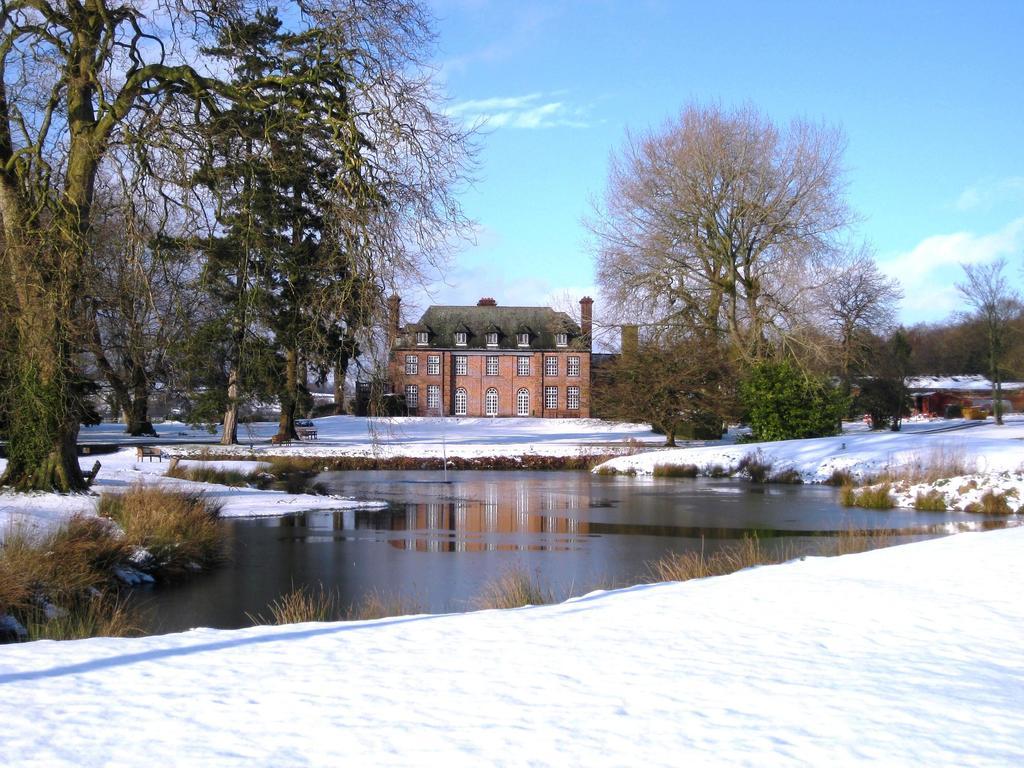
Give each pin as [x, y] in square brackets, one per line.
[492, 339]
[460, 338]
[422, 338]
[561, 339]
[523, 339]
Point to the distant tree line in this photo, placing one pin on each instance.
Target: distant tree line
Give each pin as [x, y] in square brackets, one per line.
[727, 241]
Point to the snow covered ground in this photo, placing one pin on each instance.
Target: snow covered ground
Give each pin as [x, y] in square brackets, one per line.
[903, 656]
[858, 450]
[419, 437]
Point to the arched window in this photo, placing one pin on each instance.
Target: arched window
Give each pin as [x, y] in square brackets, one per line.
[523, 402]
[491, 402]
[461, 402]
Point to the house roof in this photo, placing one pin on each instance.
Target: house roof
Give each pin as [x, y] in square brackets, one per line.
[542, 323]
[965, 383]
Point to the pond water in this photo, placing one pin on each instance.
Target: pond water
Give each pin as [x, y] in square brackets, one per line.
[438, 544]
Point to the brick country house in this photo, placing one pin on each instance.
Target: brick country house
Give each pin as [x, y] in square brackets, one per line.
[487, 360]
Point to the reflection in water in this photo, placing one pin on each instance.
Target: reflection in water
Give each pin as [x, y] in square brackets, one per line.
[440, 543]
[498, 522]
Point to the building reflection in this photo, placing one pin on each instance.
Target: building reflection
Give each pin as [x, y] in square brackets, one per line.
[502, 518]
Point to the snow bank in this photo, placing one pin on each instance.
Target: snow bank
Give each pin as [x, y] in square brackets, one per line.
[858, 451]
[904, 656]
[122, 469]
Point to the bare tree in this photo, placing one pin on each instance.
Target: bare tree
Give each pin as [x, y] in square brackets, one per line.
[712, 222]
[995, 305]
[857, 304]
[674, 382]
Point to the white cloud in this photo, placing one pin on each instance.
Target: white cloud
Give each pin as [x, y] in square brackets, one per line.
[989, 192]
[530, 111]
[930, 270]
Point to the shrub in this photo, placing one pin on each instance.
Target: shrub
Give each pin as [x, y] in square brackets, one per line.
[754, 466]
[179, 530]
[933, 501]
[675, 470]
[515, 588]
[716, 470]
[782, 403]
[847, 495]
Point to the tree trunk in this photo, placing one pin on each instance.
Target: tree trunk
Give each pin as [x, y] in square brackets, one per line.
[340, 371]
[230, 436]
[42, 400]
[289, 398]
[138, 414]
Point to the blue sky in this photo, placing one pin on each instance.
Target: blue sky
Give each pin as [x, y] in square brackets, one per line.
[930, 96]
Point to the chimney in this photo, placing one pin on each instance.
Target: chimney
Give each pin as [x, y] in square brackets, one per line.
[587, 318]
[630, 340]
[394, 302]
[487, 301]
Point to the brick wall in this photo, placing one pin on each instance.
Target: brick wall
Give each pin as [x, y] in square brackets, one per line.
[476, 382]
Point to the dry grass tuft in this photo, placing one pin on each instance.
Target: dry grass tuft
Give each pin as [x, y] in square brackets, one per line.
[202, 474]
[100, 615]
[991, 503]
[853, 541]
[933, 501]
[381, 605]
[675, 470]
[839, 478]
[786, 477]
[872, 497]
[303, 605]
[683, 566]
[515, 588]
[178, 529]
[938, 463]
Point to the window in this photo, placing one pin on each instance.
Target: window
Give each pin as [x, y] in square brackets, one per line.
[523, 339]
[522, 366]
[572, 398]
[550, 366]
[433, 365]
[551, 397]
[573, 366]
[460, 338]
[492, 366]
[461, 365]
[461, 402]
[492, 339]
[433, 398]
[491, 402]
[412, 398]
[561, 339]
[523, 402]
[422, 338]
[412, 365]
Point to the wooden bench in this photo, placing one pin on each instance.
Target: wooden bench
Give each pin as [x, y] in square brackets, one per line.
[149, 452]
[306, 433]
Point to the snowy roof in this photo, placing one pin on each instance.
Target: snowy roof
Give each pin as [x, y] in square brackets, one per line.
[966, 383]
